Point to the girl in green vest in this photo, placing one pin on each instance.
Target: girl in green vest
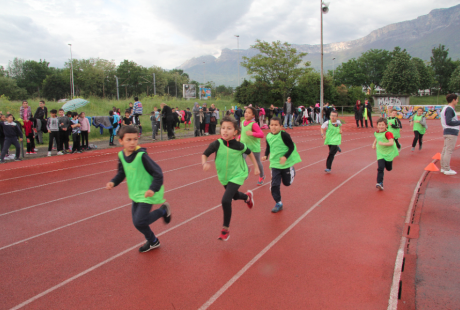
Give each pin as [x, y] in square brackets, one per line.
[331, 131]
[231, 168]
[145, 185]
[419, 129]
[251, 135]
[283, 155]
[385, 145]
[394, 126]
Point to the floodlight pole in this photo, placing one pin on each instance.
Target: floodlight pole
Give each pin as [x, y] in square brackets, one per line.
[321, 96]
[72, 91]
[238, 60]
[154, 86]
[118, 93]
[333, 67]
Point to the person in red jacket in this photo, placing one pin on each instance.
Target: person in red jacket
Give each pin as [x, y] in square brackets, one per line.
[29, 131]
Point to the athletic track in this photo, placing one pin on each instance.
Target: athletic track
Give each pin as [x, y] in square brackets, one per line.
[67, 243]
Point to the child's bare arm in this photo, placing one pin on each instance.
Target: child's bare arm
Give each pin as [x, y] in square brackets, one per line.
[253, 160]
[204, 163]
[373, 144]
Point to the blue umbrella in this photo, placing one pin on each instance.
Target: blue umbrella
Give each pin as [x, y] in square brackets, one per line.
[74, 104]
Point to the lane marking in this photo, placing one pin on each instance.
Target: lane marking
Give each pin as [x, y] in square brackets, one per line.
[30, 300]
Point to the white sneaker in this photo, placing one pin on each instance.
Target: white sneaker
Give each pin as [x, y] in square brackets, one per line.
[35, 150]
[450, 172]
[49, 153]
[60, 153]
[442, 170]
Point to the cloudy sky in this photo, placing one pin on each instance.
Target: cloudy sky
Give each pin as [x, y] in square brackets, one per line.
[168, 32]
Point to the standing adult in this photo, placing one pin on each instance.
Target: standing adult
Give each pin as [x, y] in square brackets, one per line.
[451, 126]
[367, 113]
[288, 109]
[41, 116]
[169, 119]
[196, 119]
[358, 109]
[213, 120]
[270, 113]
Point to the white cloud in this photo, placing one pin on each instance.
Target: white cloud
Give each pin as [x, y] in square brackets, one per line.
[167, 33]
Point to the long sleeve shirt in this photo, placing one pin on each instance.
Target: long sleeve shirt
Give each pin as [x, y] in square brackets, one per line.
[232, 144]
[41, 113]
[11, 130]
[287, 141]
[256, 131]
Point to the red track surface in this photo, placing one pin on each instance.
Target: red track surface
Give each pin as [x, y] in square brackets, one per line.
[67, 243]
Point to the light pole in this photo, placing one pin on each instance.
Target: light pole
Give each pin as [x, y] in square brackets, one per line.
[238, 60]
[333, 66]
[72, 90]
[323, 10]
[154, 86]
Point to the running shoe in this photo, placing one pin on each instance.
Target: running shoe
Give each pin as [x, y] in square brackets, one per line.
[167, 208]
[327, 170]
[149, 246]
[17, 159]
[224, 235]
[28, 153]
[442, 170]
[277, 208]
[49, 153]
[250, 200]
[339, 149]
[379, 186]
[450, 172]
[60, 153]
[413, 149]
[35, 150]
[261, 181]
[420, 148]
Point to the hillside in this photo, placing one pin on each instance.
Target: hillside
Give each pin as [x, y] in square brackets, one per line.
[418, 36]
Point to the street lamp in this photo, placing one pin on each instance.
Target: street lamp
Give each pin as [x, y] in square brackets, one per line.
[238, 60]
[323, 9]
[333, 66]
[72, 89]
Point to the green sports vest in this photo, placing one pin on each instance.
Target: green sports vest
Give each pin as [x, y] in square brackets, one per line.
[278, 149]
[385, 152]
[365, 113]
[395, 131]
[230, 165]
[333, 136]
[251, 142]
[417, 126]
[139, 181]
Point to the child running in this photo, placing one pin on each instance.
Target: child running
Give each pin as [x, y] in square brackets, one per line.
[145, 185]
[394, 126]
[385, 145]
[231, 169]
[283, 155]
[251, 134]
[417, 121]
[331, 131]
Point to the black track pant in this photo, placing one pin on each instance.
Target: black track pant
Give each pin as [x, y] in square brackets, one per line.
[419, 137]
[6, 145]
[231, 193]
[382, 165]
[281, 175]
[84, 139]
[142, 218]
[332, 151]
[31, 144]
[54, 135]
[76, 142]
[357, 123]
[370, 121]
[169, 127]
[64, 140]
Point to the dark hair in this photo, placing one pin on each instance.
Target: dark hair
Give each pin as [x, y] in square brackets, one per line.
[188, 108]
[252, 110]
[53, 111]
[451, 97]
[276, 119]
[8, 115]
[127, 111]
[61, 109]
[232, 120]
[24, 101]
[136, 98]
[382, 120]
[42, 101]
[420, 108]
[394, 110]
[335, 112]
[127, 129]
[74, 114]
[68, 113]
[111, 113]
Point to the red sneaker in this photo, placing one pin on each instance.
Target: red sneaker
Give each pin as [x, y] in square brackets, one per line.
[250, 200]
[224, 235]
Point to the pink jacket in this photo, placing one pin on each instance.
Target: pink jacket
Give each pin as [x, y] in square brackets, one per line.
[256, 131]
[84, 124]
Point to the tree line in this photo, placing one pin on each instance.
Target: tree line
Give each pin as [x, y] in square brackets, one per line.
[94, 77]
[279, 70]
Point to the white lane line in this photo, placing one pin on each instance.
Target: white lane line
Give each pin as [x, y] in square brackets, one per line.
[238, 275]
[30, 300]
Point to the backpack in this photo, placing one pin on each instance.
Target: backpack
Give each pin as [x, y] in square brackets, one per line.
[262, 111]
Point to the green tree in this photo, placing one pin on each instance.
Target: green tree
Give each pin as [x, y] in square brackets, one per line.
[55, 86]
[442, 67]
[454, 84]
[33, 74]
[10, 88]
[401, 76]
[373, 64]
[277, 64]
[425, 74]
[3, 72]
[350, 73]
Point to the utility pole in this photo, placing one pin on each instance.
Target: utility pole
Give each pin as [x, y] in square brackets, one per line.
[333, 67]
[118, 93]
[72, 90]
[324, 8]
[154, 86]
[238, 60]
[175, 83]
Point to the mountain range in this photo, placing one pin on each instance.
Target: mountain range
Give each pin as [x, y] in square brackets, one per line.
[417, 36]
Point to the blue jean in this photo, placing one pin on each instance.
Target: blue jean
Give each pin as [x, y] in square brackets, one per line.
[288, 120]
[142, 218]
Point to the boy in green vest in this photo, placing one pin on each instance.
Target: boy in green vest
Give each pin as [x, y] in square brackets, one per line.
[231, 168]
[385, 145]
[145, 185]
[419, 129]
[394, 126]
[331, 131]
[283, 155]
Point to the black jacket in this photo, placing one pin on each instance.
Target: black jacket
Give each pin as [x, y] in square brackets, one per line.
[358, 112]
[168, 113]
